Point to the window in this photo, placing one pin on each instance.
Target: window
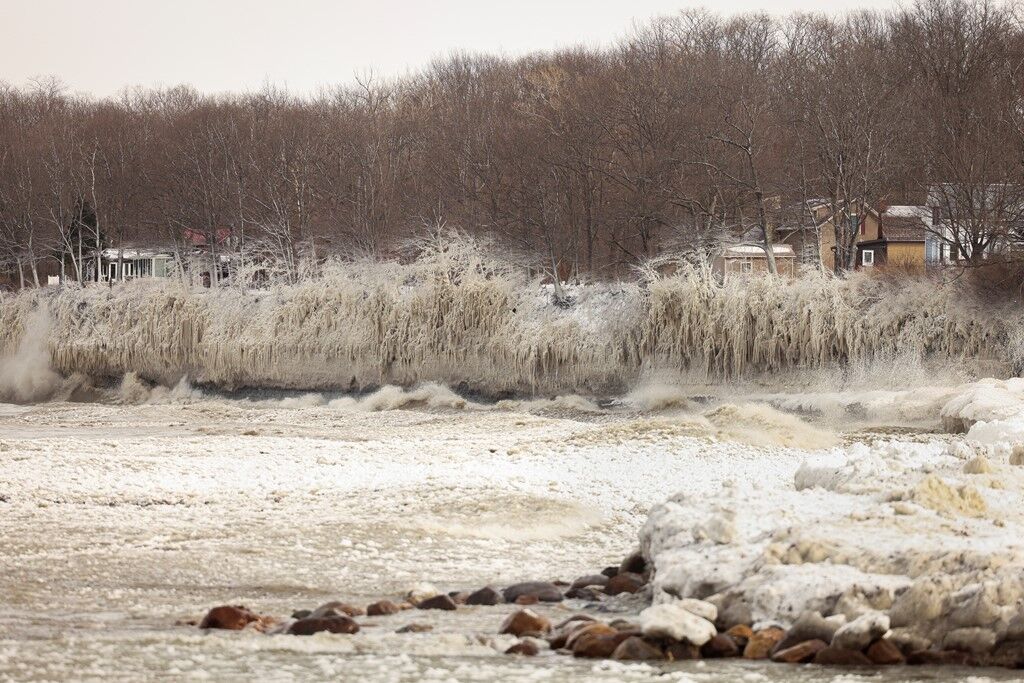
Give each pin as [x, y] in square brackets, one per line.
[746, 267]
[867, 258]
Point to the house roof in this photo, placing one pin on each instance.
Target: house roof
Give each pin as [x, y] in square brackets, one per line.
[905, 223]
[757, 250]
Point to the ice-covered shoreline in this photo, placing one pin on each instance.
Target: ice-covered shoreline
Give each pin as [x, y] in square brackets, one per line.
[928, 532]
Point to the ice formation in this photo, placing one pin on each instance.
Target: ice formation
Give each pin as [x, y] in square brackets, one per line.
[463, 320]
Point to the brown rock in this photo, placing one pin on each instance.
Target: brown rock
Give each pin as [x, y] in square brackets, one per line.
[527, 600]
[884, 653]
[485, 596]
[597, 628]
[636, 649]
[677, 652]
[837, 656]
[597, 645]
[583, 618]
[382, 608]
[625, 582]
[800, 653]
[334, 609]
[721, 645]
[542, 590]
[610, 571]
[438, 602]
[599, 580]
[938, 658]
[311, 625]
[566, 629]
[740, 631]
[525, 621]
[589, 594]
[523, 647]
[229, 617]
[761, 644]
[415, 628]
[634, 563]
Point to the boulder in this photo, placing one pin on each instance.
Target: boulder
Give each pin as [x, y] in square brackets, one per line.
[459, 597]
[335, 609]
[974, 640]
[699, 607]
[311, 625]
[301, 613]
[420, 592]
[228, 617]
[526, 621]
[634, 563]
[674, 622]
[599, 580]
[597, 645]
[636, 649]
[809, 626]
[1008, 654]
[596, 628]
[610, 571]
[680, 652]
[485, 596]
[624, 582]
[720, 646]
[541, 590]
[761, 643]
[438, 602]
[861, 632]
[837, 656]
[884, 653]
[382, 608]
[527, 648]
[800, 653]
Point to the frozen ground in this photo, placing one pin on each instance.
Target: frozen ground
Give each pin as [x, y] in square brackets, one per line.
[116, 521]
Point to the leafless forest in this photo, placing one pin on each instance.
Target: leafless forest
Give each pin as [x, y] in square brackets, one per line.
[693, 129]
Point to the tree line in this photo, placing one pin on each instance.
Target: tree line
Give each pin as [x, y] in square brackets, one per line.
[692, 130]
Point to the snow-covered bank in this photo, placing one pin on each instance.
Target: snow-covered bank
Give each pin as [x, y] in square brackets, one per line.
[469, 322]
[929, 531]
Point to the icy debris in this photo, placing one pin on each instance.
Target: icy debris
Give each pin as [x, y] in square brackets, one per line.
[860, 632]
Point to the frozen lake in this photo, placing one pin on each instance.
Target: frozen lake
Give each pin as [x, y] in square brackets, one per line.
[120, 522]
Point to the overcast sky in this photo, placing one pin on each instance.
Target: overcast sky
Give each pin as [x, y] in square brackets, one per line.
[100, 46]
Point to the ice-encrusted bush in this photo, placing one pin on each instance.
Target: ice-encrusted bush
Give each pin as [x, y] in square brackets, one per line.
[459, 315]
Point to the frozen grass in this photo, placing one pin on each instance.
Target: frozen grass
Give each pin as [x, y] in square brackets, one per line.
[461, 318]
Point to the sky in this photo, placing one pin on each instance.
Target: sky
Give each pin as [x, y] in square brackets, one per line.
[102, 46]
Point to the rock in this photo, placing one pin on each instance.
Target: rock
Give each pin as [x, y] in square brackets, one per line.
[589, 594]
[311, 625]
[596, 628]
[579, 619]
[800, 653]
[671, 620]
[459, 597]
[974, 640]
[560, 636]
[809, 626]
[679, 652]
[938, 658]
[634, 563]
[921, 602]
[701, 608]
[421, 592]
[527, 600]
[382, 608]
[228, 617]
[624, 582]
[525, 621]
[1009, 654]
[636, 649]
[884, 653]
[542, 590]
[740, 631]
[719, 646]
[485, 596]
[732, 611]
[599, 580]
[761, 643]
[527, 648]
[908, 640]
[1017, 455]
[610, 571]
[438, 602]
[415, 628]
[595, 645]
[837, 656]
[301, 613]
[861, 632]
[336, 609]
